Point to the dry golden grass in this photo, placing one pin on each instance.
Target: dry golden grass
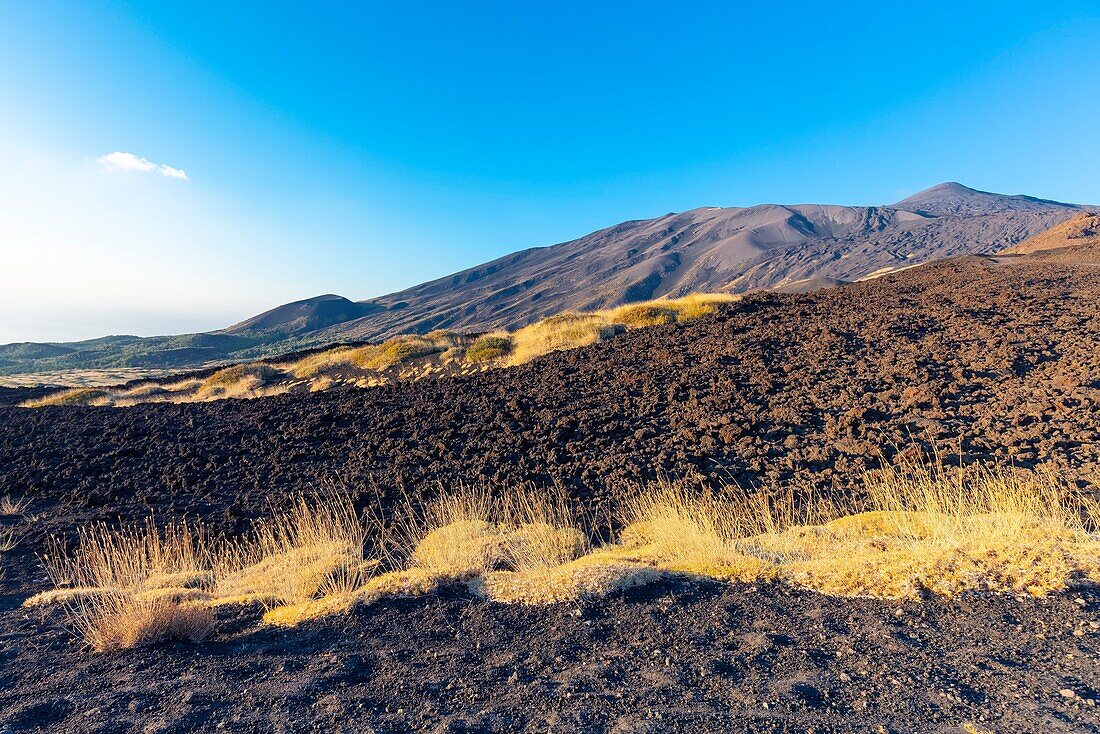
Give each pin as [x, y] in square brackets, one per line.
[915, 530]
[668, 311]
[240, 380]
[564, 331]
[406, 357]
[312, 550]
[11, 506]
[592, 576]
[121, 588]
[489, 347]
[926, 530]
[572, 330]
[112, 585]
[319, 362]
[373, 357]
[75, 396]
[452, 536]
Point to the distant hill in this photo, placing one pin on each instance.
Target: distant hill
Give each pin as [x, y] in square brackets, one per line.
[303, 316]
[954, 199]
[713, 249]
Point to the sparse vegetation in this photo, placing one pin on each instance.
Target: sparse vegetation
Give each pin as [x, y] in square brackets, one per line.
[489, 347]
[240, 380]
[916, 530]
[121, 589]
[7, 540]
[313, 549]
[402, 357]
[75, 396]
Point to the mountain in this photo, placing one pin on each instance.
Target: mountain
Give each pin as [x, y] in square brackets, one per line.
[954, 199]
[732, 249]
[309, 314]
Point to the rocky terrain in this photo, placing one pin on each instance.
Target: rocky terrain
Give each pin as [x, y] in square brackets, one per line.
[981, 359]
[709, 249]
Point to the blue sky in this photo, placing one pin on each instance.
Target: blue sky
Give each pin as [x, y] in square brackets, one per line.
[366, 147]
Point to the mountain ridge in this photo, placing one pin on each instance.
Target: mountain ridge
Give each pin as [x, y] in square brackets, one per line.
[722, 249]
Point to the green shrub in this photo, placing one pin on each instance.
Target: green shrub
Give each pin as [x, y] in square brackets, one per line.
[488, 347]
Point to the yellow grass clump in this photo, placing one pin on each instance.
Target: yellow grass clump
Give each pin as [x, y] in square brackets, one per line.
[312, 550]
[120, 589]
[488, 347]
[240, 380]
[564, 331]
[74, 396]
[910, 531]
[572, 330]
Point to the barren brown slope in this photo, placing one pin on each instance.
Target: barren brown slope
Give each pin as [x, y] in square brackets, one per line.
[1076, 239]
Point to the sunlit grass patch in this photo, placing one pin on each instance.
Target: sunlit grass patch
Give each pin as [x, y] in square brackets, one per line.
[906, 532]
[237, 381]
[400, 358]
[313, 549]
[74, 396]
[925, 530]
[106, 585]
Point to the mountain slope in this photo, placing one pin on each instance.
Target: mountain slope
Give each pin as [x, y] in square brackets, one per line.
[954, 199]
[712, 249]
[735, 249]
[1081, 232]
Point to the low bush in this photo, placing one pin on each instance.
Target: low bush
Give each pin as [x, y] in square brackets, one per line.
[488, 347]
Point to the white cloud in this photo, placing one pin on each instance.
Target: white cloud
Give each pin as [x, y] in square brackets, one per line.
[167, 170]
[119, 161]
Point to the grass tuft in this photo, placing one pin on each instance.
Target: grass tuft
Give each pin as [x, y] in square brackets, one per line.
[11, 506]
[103, 585]
[312, 550]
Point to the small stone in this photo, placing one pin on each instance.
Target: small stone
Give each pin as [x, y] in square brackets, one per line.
[1068, 693]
